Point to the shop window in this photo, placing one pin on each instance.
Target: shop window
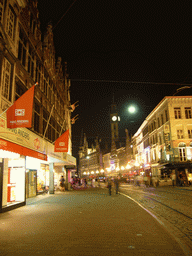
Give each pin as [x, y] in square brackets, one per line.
[14, 178]
[188, 113]
[6, 81]
[22, 47]
[179, 134]
[177, 112]
[11, 18]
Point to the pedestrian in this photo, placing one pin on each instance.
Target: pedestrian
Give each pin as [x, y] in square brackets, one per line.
[116, 182]
[85, 183]
[173, 177]
[62, 183]
[109, 185]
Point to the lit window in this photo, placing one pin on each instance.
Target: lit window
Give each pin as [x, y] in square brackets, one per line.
[190, 134]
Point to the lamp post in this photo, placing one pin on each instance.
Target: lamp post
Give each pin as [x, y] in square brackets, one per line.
[182, 88]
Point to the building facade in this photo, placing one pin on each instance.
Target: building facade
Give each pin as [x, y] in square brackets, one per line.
[163, 143]
[27, 158]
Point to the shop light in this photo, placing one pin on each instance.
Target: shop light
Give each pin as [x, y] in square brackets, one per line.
[84, 173]
[136, 164]
[117, 169]
[128, 166]
[32, 163]
[8, 154]
[102, 171]
[97, 171]
[122, 168]
[92, 172]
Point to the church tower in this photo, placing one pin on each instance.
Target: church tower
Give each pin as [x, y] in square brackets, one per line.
[114, 119]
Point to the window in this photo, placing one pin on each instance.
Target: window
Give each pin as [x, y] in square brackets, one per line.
[179, 134]
[36, 117]
[182, 154]
[19, 91]
[177, 112]
[188, 113]
[32, 23]
[162, 120]
[22, 48]
[11, 23]
[38, 72]
[158, 122]
[190, 134]
[166, 116]
[160, 141]
[31, 62]
[6, 83]
[1, 9]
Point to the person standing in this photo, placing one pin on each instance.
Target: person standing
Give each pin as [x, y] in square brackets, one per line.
[173, 177]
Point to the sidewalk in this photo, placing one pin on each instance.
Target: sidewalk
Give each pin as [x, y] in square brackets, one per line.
[84, 223]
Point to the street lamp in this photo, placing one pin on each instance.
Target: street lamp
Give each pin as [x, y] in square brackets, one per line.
[182, 88]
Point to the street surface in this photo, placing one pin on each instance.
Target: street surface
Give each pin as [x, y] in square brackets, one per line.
[173, 205]
[84, 223]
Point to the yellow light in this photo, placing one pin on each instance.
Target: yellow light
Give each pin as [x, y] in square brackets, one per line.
[84, 173]
[97, 171]
[102, 171]
[92, 172]
[122, 168]
[128, 166]
[136, 164]
[117, 169]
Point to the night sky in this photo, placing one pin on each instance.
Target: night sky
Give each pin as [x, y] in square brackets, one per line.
[115, 48]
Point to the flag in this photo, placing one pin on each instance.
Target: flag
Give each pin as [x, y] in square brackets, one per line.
[20, 113]
[74, 119]
[61, 144]
[73, 106]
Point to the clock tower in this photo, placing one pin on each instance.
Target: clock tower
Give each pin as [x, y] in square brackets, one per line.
[114, 119]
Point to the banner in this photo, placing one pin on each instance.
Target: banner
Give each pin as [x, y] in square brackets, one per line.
[61, 144]
[20, 113]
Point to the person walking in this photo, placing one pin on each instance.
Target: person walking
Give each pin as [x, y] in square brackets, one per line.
[62, 183]
[116, 182]
[109, 185]
[173, 177]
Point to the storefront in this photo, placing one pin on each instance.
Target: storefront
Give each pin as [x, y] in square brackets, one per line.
[20, 150]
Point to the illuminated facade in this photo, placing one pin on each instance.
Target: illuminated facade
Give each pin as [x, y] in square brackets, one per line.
[27, 158]
[163, 143]
[90, 160]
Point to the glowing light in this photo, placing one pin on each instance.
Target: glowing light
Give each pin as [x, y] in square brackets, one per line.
[128, 166]
[84, 173]
[97, 171]
[117, 169]
[92, 172]
[136, 164]
[101, 171]
[122, 168]
[132, 109]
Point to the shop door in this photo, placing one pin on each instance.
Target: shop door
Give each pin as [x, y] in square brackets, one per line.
[31, 183]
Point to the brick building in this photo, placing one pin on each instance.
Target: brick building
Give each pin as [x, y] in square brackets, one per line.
[27, 56]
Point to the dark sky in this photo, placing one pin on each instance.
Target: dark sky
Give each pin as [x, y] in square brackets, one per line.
[114, 48]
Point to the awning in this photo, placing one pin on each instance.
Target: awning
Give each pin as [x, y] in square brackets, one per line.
[12, 147]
